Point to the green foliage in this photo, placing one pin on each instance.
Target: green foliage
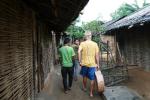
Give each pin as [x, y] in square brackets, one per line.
[93, 26]
[75, 31]
[145, 3]
[96, 39]
[126, 9]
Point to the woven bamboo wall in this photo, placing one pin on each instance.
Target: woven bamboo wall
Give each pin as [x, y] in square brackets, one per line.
[47, 59]
[137, 48]
[45, 52]
[16, 53]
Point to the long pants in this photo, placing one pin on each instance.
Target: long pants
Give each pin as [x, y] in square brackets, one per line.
[67, 71]
[76, 66]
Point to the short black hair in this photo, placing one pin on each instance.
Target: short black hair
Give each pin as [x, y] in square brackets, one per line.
[67, 40]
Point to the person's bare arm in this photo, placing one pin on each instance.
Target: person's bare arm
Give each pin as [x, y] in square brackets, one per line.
[97, 56]
[97, 59]
[79, 54]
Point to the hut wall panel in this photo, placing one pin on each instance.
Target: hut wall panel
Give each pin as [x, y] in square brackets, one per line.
[46, 44]
[112, 44]
[129, 50]
[47, 58]
[134, 52]
[137, 52]
[139, 43]
[16, 50]
[148, 61]
[137, 49]
[146, 51]
[45, 55]
[133, 49]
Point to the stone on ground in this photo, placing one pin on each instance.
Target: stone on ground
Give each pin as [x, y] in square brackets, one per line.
[121, 93]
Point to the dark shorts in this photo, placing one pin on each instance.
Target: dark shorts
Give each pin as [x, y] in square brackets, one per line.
[88, 72]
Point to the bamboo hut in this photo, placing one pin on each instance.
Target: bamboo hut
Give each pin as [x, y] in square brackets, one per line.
[27, 43]
[131, 33]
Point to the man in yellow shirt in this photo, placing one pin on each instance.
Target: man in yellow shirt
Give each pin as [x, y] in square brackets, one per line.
[88, 54]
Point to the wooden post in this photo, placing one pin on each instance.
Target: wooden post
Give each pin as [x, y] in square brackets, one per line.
[119, 53]
[115, 41]
[54, 47]
[107, 52]
[100, 51]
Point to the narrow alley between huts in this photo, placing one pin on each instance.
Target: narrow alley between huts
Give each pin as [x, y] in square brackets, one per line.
[74, 50]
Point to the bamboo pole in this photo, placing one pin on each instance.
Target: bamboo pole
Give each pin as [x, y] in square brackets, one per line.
[119, 52]
[107, 52]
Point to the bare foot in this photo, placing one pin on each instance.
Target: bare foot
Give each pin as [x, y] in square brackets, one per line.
[91, 95]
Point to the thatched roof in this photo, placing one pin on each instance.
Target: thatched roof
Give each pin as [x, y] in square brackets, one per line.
[57, 13]
[138, 18]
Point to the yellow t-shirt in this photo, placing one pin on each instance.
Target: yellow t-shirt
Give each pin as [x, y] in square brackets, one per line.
[88, 53]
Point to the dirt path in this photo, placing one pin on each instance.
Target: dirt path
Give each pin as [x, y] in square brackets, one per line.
[139, 81]
[54, 91]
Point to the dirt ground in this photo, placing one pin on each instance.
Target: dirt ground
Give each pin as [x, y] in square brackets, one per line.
[54, 89]
[139, 81]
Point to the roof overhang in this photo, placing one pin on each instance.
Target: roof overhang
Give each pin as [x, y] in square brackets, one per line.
[57, 13]
[139, 18]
